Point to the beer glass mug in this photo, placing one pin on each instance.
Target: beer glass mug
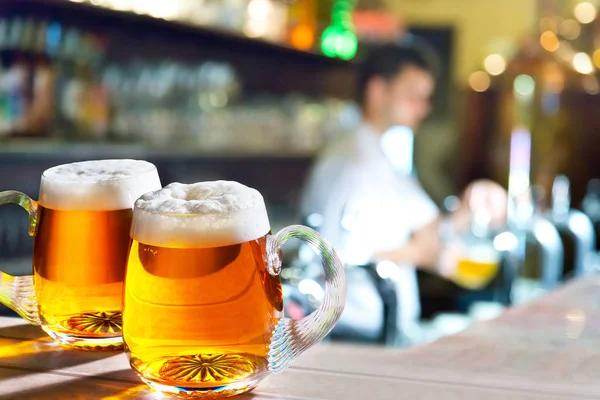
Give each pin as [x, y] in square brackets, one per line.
[470, 258]
[202, 300]
[81, 239]
[476, 261]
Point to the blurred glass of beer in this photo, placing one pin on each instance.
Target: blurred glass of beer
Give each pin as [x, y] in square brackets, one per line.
[477, 267]
[81, 246]
[199, 305]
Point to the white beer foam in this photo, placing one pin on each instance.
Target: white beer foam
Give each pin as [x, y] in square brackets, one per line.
[204, 214]
[97, 185]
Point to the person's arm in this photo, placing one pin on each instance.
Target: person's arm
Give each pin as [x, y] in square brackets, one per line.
[426, 246]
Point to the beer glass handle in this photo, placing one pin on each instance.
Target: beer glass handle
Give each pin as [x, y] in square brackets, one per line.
[292, 337]
[16, 292]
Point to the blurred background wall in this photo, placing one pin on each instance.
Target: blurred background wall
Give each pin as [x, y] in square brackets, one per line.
[481, 27]
[477, 28]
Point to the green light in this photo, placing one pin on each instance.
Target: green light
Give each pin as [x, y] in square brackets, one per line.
[339, 40]
[342, 14]
[342, 6]
[524, 86]
[347, 45]
[329, 41]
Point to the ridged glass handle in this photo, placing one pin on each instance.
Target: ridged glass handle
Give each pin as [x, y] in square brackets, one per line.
[292, 337]
[17, 292]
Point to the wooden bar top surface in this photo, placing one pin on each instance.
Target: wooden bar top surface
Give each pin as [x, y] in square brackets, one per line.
[548, 349]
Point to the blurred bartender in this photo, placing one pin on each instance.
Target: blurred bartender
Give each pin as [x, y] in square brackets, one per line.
[369, 210]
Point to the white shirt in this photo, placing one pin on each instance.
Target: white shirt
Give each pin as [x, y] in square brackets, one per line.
[367, 207]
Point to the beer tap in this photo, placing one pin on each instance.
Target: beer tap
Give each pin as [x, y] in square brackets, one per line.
[591, 205]
[573, 224]
[528, 230]
[551, 249]
[533, 230]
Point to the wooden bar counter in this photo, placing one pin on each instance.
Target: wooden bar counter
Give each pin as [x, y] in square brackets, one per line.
[549, 349]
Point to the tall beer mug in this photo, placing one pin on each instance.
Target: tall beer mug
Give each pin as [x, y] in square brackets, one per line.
[81, 239]
[203, 302]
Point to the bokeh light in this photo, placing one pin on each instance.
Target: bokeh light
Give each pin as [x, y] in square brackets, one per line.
[480, 81]
[302, 37]
[549, 24]
[494, 64]
[259, 12]
[565, 51]
[123, 5]
[585, 12]
[339, 39]
[570, 29]
[348, 46]
[553, 76]
[590, 84]
[524, 86]
[549, 41]
[596, 58]
[582, 63]
[339, 42]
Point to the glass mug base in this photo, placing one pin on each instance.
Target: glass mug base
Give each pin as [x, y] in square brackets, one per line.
[88, 331]
[217, 392]
[203, 375]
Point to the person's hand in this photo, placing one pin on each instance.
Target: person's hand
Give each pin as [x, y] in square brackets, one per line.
[489, 197]
[421, 250]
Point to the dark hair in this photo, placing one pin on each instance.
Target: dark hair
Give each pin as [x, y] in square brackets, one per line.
[388, 60]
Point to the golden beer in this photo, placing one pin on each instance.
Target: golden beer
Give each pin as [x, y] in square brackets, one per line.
[79, 267]
[477, 267]
[200, 306]
[200, 317]
[81, 248]
[475, 274]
